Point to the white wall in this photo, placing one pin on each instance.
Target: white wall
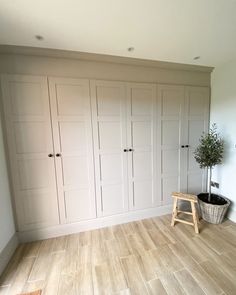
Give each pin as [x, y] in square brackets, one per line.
[7, 227]
[223, 113]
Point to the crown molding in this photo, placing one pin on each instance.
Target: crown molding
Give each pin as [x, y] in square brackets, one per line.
[56, 53]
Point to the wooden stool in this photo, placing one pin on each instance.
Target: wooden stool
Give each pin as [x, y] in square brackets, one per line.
[193, 200]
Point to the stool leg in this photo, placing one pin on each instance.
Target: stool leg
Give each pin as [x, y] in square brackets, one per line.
[194, 218]
[198, 219]
[174, 213]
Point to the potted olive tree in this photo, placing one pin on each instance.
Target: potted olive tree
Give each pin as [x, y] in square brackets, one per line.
[208, 154]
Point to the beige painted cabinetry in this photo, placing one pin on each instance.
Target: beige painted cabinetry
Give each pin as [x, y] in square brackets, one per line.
[183, 114]
[73, 148]
[124, 121]
[31, 150]
[50, 145]
[82, 150]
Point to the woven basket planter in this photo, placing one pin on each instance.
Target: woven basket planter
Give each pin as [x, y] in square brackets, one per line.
[213, 213]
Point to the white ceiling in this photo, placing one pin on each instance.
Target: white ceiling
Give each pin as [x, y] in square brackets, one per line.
[166, 30]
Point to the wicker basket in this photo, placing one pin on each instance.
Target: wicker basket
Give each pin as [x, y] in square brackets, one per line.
[213, 213]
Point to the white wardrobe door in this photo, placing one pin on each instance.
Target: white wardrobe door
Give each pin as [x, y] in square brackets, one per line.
[197, 118]
[141, 134]
[109, 127]
[171, 136]
[29, 136]
[72, 129]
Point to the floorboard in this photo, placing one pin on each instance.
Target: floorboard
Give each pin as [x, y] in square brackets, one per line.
[142, 257]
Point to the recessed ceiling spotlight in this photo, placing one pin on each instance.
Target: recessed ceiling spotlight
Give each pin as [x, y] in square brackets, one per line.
[39, 37]
[130, 49]
[196, 57]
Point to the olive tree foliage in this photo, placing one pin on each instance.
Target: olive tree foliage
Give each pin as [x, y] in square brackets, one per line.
[210, 152]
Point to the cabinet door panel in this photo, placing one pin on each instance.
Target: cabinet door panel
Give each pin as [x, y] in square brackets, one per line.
[196, 126]
[73, 135]
[142, 165]
[141, 135]
[78, 204]
[108, 99]
[111, 167]
[171, 157]
[168, 186]
[75, 170]
[25, 139]
[29, 135]
[142, 194]
[111, 199]
[141, 99]
[110, 135]
[34, 172]
[170, 130]
[25, 96]
[109, 129]
[170, 162]
[37, 206]
[74, 104]
[197, 116]
[72, 129]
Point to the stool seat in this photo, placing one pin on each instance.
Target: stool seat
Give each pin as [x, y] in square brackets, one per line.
[185, 197]
[193, 200]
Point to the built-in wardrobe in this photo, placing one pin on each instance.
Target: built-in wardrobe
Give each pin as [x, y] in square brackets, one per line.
[83, 150]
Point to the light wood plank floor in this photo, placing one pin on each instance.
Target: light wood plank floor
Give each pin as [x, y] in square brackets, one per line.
[142, 257]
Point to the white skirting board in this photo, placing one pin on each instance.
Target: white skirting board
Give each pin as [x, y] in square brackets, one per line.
[8, 251]
[232, 215]
[66, 229]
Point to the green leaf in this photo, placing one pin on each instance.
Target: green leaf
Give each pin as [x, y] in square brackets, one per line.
[210, 150]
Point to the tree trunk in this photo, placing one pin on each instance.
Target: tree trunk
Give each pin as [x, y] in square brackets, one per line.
[209, 185]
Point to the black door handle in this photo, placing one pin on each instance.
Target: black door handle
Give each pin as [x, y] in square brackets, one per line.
[182, 146]
[58, 155]
[125, 150]
[187, 146]
[131, 150]
[50, 155]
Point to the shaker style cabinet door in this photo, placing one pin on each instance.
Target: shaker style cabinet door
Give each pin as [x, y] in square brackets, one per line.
[72, 133]
[197, 118]
[29, 138]
[171, 141]
[110, 145]
[81, 149]
[141, 136]
[182, 118]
